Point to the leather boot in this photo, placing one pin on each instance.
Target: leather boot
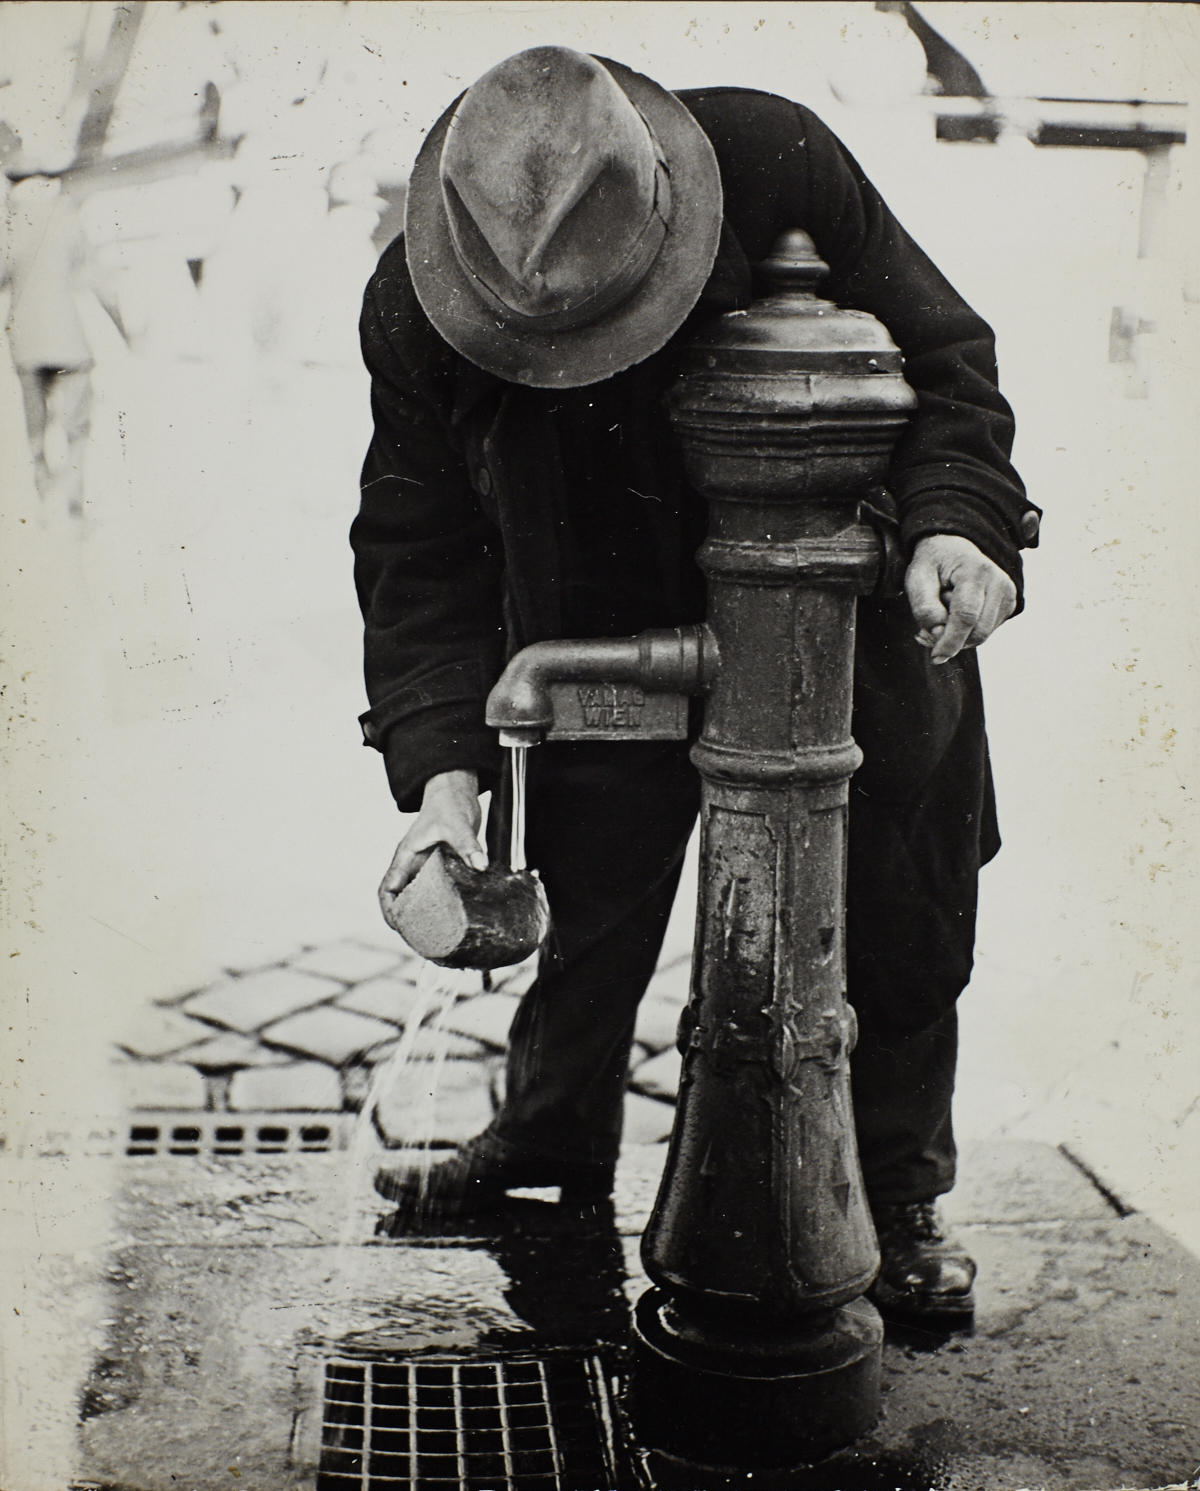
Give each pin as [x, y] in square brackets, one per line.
[925, 1278]
[477, 1176]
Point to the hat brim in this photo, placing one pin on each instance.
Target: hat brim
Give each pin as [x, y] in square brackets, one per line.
[623, 336]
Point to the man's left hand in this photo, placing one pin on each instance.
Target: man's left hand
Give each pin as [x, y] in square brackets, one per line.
[957, 595]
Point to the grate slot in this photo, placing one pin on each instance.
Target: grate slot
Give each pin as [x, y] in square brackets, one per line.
[232, 1135]
[513, 1424]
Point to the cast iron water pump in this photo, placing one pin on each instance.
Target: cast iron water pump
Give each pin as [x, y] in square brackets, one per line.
[755, 1347]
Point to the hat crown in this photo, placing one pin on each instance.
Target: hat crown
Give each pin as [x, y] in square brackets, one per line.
[562, 218]
[553, 187]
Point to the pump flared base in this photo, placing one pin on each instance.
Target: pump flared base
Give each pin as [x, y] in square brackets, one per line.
[707, 1398]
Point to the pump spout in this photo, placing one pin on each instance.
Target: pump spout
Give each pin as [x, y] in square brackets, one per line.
[614, 688]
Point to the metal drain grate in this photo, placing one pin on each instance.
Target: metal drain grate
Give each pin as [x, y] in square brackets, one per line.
[237, 1134]
[521, 1423]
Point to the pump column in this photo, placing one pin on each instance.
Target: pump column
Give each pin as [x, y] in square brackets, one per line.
[756, 1348]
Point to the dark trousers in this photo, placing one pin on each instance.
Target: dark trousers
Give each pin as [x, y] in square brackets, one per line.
[608, 827]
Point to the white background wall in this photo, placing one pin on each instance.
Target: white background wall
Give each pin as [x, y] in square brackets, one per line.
[186, 790]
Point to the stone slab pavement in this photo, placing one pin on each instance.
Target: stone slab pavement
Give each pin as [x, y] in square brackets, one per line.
[316, 1032]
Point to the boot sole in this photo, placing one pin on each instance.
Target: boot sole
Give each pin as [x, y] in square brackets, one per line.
[945, 1312]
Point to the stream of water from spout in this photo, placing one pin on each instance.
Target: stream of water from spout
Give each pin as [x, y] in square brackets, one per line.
[516, 844]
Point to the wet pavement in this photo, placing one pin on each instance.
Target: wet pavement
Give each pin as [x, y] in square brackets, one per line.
[234, 1286]
[205, 1310]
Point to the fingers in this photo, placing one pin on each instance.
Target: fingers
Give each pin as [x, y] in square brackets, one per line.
[415, 848]
[406, 861]
[923, 587]
[958, 596]
[966, 598]
[1000, 602]
[978, 605]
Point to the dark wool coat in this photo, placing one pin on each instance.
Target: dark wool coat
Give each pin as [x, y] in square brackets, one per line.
[462, 543]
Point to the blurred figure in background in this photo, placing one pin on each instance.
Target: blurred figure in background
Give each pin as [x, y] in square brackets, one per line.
[49, 349]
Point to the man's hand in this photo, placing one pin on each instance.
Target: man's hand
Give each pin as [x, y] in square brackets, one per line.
[449, 815]
[957, 595]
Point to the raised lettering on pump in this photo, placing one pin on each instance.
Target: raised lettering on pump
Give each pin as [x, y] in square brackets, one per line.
[608, 706]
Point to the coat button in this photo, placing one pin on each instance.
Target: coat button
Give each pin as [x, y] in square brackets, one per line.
[483, 482]
[1030, 526]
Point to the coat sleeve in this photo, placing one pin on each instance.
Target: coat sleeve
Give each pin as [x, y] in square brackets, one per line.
[427, 562]
[951, 472]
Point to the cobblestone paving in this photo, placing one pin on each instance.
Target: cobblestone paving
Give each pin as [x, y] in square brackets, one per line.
[307, 1034]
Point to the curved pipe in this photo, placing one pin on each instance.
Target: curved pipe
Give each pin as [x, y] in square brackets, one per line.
[677, 660]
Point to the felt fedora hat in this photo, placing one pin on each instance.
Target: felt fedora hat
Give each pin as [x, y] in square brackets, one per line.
[563, 216]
